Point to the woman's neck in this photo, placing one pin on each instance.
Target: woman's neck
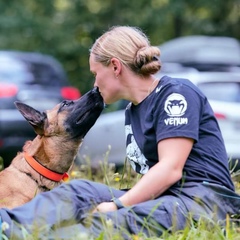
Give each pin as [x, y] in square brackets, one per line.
[139, 88]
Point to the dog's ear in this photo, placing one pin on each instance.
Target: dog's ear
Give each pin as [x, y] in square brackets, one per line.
[33, 116]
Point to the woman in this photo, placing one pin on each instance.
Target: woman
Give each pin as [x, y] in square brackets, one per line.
[172, 138]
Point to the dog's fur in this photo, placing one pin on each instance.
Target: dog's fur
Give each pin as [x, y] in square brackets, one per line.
[59, 134]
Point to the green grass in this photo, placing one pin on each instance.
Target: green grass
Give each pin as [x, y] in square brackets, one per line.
[106, 173]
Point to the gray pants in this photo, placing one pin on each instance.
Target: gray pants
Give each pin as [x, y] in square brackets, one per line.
[65, 212]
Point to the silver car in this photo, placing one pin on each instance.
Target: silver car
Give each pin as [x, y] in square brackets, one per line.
[106, 140]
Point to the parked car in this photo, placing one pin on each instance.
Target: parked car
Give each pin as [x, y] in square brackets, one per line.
[221, 88]
[33, 78]
[105, 141]
[204, 53]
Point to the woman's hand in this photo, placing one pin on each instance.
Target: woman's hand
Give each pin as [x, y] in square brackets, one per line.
[105, 207]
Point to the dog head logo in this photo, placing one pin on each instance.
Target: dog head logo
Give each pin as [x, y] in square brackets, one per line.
[175, 105]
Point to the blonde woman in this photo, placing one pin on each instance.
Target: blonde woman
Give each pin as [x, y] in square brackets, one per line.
[172, 139]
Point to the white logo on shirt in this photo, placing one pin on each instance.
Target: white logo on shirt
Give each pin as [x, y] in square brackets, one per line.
[134, 154]
[175, 106]
[158, 89]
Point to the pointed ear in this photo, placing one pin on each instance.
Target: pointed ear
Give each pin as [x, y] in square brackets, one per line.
[33, 116]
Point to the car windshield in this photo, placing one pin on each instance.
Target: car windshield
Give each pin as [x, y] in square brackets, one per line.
[221, 91]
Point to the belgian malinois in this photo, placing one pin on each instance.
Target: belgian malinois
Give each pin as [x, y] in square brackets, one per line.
[45, 161]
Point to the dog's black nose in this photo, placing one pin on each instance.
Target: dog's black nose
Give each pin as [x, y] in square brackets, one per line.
[95, 90]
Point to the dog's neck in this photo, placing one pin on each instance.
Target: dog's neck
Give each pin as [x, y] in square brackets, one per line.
[56, 157]
[58, 162]
[44, 171]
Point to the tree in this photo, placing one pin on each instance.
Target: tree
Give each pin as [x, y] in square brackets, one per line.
[66, 29]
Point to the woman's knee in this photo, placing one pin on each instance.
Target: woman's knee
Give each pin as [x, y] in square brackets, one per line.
[77, 185]
[87, 188]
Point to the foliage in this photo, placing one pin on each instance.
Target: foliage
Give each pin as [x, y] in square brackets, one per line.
[66, 29]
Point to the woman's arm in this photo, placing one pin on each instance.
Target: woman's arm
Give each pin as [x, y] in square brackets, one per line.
[172, 154]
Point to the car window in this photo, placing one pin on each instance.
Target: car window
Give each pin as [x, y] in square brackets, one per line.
[221, 91]
[44, 74]
[12, 75]
[31, 71]
[12, 70]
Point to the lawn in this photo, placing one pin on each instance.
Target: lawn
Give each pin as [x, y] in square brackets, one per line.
[125, 178]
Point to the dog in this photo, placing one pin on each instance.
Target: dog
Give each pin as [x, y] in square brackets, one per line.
[44, 162]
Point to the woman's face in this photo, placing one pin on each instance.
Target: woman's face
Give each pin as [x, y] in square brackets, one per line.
[105, 80]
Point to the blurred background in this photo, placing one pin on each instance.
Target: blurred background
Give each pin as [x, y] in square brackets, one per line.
[198, 40]
[66, 29]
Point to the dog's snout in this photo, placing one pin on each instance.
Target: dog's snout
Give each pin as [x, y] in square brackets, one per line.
[95, 90]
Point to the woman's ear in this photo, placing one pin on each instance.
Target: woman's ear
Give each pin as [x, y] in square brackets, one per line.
[117, 66]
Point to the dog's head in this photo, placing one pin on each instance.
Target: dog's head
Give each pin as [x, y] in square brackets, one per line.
[69, 119]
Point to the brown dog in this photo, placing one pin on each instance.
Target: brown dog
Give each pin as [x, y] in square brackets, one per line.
[44, 162]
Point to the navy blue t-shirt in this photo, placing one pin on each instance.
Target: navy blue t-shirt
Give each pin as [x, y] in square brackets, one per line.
[177, 108]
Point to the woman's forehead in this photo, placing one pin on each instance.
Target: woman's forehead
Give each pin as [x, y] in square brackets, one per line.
[92, 62]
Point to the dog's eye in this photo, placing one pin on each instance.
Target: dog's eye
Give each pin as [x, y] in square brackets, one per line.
[66, 103]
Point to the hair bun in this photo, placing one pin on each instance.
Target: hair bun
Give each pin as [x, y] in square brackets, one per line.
[146, 61]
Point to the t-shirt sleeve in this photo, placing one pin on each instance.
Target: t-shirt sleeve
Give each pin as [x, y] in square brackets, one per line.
[178, 112]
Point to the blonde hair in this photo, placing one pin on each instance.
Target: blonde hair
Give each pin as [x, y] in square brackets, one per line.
[131, 46]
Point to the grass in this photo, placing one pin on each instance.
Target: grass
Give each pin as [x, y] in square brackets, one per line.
[106, 173]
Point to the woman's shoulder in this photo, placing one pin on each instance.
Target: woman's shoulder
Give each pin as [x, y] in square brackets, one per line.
[169, 83]
[168, 80]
